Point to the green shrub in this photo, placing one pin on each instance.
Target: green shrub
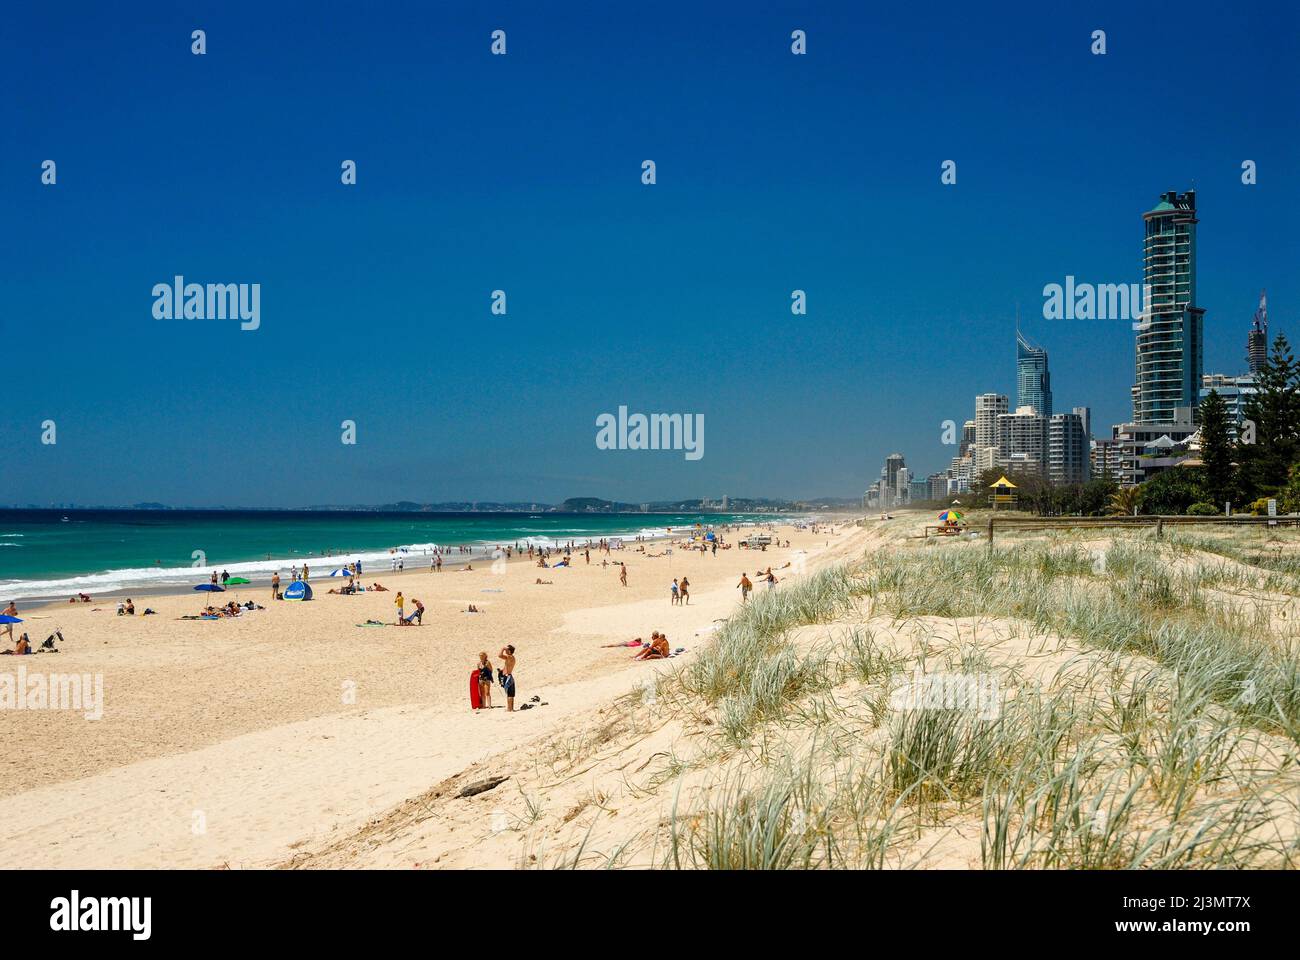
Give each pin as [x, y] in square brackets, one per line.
[1202, 510]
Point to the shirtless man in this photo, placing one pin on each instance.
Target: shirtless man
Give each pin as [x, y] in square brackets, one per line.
[745, 586]
[622, 575]
[507, 656]
[10, 611]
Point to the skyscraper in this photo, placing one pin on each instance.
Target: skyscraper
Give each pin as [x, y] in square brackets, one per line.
[1033, 382]
[988, 407]
[1169, 348]
[1257, 339]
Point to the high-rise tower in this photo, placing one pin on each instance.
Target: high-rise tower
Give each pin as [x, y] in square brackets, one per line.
[1257, 339]
[1033, 382]
[1169, 340]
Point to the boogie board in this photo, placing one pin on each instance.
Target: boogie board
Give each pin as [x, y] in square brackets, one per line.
[475, 700]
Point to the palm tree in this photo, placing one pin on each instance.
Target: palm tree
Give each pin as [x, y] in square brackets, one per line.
[1124, 501]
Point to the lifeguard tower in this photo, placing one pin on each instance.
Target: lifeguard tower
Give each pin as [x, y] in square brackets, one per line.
[1003, 493]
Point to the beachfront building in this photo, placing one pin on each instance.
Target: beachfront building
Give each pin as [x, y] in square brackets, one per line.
[960, 472]
[1146, 449]
[918, 491]
[1169, 339]
[1033, 382]
[1104, 459]
[938, 484]
[1235, 391]
[988, 407]
[1022, 440]
[1067, 448]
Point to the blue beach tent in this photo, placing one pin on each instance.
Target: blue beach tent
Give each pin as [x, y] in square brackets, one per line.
[298, 590]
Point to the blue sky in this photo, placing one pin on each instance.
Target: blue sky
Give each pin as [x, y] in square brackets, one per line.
[522, 173]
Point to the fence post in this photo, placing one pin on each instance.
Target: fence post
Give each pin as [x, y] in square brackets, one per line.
[1160, 527]
[990, 536]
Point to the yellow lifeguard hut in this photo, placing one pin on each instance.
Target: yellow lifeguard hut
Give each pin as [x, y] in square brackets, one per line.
[1003, 493]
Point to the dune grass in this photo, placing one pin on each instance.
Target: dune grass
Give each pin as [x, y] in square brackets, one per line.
[1169, 745]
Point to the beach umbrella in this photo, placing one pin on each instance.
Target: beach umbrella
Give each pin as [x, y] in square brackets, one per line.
[210, 588]
[951, 515]
[236, 582]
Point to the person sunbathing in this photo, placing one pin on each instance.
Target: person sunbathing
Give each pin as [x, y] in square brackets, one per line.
[23, 648]
[379, 588]
[541, 581]
[658, 649]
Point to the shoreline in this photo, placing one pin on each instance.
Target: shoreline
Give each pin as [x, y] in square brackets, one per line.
[480, 551]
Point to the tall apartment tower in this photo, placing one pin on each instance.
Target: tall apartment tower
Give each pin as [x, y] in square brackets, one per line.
[1022, 441]
[988, 407]
[1068, 451]
[1257, 339]
[1169, 340]
[1033, 383]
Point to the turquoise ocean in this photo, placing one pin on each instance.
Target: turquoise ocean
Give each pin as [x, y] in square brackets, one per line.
[54, 554]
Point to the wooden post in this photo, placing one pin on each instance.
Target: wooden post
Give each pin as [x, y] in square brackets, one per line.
[1160, 527]
[990, 536]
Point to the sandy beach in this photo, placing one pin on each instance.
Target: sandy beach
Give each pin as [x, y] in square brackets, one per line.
[234, 743]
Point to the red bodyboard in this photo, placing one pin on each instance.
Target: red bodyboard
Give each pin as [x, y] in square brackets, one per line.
[475, 700]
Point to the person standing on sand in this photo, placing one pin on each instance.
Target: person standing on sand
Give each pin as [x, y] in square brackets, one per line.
[745, 586]
[484, 681]
[507, 656]
[401, 602]
[10, 611]
[675, 593]
[622, 573]
[686, 591]
[275, 585]
[306, 574]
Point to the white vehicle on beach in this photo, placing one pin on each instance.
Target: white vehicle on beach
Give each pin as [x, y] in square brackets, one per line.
[756, 540]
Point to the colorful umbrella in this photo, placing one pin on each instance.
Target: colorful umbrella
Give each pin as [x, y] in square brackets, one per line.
[953, 515]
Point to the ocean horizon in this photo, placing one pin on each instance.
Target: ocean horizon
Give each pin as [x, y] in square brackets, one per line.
[55, 553]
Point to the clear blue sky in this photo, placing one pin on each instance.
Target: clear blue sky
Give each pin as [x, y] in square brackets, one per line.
[522, 172]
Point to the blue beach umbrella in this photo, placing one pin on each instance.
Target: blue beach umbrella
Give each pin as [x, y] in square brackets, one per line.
[211, 588]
